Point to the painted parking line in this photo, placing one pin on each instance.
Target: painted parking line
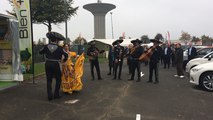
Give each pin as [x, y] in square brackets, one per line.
[71, 101]
[138, 116]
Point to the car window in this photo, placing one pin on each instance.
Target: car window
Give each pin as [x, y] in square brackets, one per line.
[204, 51]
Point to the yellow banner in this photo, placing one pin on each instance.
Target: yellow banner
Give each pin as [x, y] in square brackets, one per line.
[22, 8]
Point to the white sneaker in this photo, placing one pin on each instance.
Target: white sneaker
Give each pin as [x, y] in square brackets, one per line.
[176, 76]
[181, 76]
[142, 74]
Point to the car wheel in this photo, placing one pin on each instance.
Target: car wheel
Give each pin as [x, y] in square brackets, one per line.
[206, 81]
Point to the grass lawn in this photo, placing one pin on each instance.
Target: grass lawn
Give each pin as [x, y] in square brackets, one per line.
[5, 84]
[38, 70]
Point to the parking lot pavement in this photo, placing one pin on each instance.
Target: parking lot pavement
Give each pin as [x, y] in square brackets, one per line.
[171, 99]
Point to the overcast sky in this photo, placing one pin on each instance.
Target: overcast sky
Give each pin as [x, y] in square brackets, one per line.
[139, 17]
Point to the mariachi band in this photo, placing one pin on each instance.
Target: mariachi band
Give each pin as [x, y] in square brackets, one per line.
[135, 54]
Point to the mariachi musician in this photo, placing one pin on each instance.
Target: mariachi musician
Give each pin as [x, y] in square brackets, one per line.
[92, 53]
[153, 54]
[53, 54]
[136, 52]
[118, 56]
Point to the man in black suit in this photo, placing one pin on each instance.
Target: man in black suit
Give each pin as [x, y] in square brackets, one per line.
[192, 52]
[166, 56]
[135, 54]
[53, 54]
[118, 57]
[154, 60]
[111, 60]
[92, 53]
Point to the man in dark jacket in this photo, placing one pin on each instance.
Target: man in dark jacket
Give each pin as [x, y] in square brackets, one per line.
[179, 60]
[192, 52]
[154, 60]
[167, 56]
[92, 53]
[53, 53]
[111, 60]
[135, 54]
[119, 56]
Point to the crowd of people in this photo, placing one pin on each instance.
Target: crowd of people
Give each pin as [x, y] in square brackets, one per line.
[136, 54]
[59, 62]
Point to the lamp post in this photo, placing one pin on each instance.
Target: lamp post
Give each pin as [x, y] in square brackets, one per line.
[112, 26]
[65, 3]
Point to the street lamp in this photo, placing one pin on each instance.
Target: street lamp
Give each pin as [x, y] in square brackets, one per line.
[112, 26]
[65, 1]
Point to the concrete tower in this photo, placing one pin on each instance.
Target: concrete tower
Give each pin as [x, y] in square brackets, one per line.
[99, 10]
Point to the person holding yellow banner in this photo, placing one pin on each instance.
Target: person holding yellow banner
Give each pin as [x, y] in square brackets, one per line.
[72, 73]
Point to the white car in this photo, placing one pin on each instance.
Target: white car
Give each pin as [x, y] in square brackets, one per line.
[197, 61]
[202, 75]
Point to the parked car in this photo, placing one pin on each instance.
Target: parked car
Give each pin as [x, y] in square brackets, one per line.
[201, 51]
[202, 75]
[197, 61]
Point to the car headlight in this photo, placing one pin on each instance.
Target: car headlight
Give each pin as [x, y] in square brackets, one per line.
[196, 69]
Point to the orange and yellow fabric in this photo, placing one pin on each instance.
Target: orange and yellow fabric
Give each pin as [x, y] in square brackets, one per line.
[72, 73]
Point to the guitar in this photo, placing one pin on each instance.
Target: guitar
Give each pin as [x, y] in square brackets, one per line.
[94, 55]
[146, 55]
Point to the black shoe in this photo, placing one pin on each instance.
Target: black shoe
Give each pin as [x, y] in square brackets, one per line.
[109, 74]
[149, 81]
[57, 97]
[100, 79]
[156, 82]
[119, 79]
[138, 80]
[50, 98]
[130, 79]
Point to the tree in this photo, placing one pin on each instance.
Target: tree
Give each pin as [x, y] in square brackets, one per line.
[50, 12]
[80, 40]
[185, 36]
[206, 40]
[195, 39]
[145, 39]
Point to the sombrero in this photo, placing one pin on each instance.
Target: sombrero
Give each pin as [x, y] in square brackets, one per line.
[137, 40]
[115, 42]
[91, 42]
[55, 35]
[156, 40]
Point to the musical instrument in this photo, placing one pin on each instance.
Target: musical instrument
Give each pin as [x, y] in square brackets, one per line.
[94, 54]
[133, 49]
[146, 55]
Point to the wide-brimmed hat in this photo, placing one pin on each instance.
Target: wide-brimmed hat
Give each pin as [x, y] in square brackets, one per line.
[137, 40]
[91, 42]
[55, 35]
[156, 40]
[115, 42]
